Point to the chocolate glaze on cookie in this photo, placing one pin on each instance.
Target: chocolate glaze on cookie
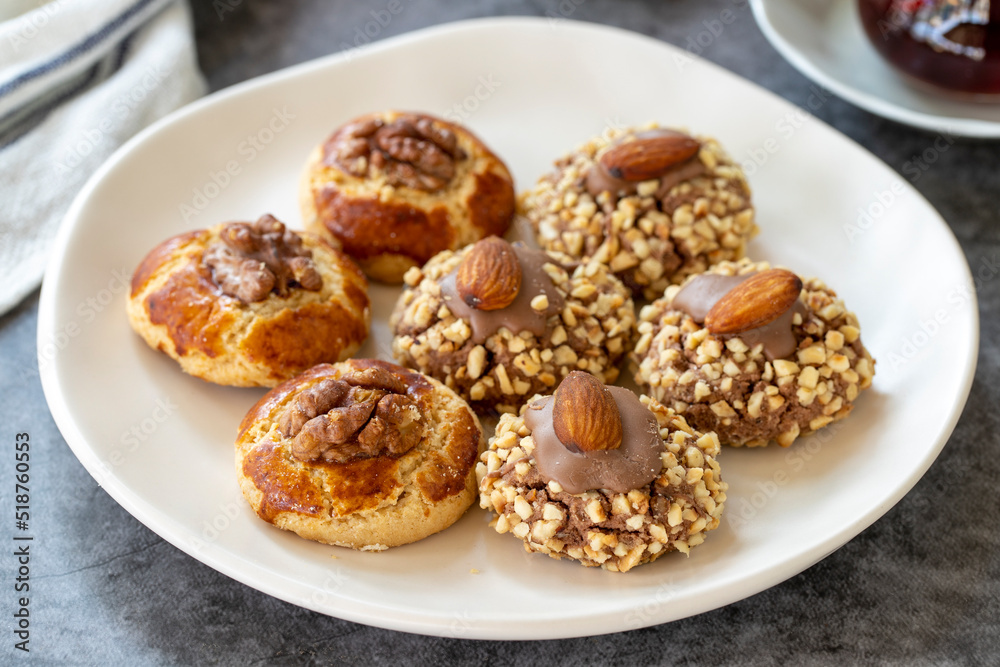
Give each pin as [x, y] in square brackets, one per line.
[702, 292]
[599, 179]
[633, 465]
[519, 315]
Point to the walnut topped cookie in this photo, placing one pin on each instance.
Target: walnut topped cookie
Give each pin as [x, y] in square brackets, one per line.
[396, 188]
[363, 454]
[598, 475]
[499, 323]
[249, 304]
[655, 205]
[753, 353]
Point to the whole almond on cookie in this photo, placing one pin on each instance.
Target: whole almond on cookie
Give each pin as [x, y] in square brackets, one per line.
[489, 276]
[758, 300]
[647, 158]
[585, 415]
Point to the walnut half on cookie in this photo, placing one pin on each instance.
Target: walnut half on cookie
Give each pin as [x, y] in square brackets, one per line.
[499, 323]
[587, 499]
[249, 304]
[395, 188]
[753, 353]
[363, 454]
[655, 205]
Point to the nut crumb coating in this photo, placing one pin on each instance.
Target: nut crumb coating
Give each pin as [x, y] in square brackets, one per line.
[721, 383]
[600, 528]
[593, 332]
[648, 241]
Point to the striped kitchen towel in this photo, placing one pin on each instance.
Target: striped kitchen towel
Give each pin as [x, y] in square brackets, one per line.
[77, 79]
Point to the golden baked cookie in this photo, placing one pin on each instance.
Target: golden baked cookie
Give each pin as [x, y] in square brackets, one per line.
[753, 353]
[249, 304]
[654, 204]
[363, 454]
[397, 188]
[499, 323]
[598, 475]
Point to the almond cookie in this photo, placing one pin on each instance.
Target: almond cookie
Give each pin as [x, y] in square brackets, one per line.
[362, 454]
[396, 188]
[499, 323]
[655, 205]
[249, 304]
[598, 475]
[753, 353]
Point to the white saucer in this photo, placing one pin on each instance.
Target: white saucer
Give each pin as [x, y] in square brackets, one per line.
[824, 40]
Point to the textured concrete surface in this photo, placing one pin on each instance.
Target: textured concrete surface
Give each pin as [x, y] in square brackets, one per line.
[920, 586]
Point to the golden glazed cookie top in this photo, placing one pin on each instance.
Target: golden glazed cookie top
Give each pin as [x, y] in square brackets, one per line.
[398, 187]
[348, 463]
[249, 304]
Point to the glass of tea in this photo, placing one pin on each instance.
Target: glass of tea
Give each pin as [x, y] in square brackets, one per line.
[952, 45]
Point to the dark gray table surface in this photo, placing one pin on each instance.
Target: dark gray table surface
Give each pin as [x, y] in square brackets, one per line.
[920, 586]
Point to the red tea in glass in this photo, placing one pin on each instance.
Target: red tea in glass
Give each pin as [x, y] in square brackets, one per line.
[953, 45]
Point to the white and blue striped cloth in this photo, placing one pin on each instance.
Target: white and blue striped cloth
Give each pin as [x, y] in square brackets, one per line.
[77, 79]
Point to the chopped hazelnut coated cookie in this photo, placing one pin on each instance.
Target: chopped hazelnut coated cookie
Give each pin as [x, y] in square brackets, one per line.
[249, 304]
[363, 454]
[655, 205]
[753, 353]
[396, 188]
[598, 475]
[499, 323]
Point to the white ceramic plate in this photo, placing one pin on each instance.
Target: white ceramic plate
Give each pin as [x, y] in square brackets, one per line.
[824, 40]
[161, 442]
